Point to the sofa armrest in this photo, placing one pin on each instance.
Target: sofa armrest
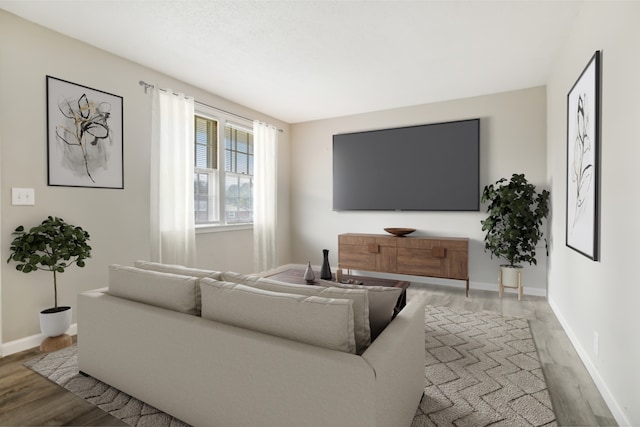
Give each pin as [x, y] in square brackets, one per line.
[397, 357]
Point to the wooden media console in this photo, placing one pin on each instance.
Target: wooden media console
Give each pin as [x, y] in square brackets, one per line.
[443, 257]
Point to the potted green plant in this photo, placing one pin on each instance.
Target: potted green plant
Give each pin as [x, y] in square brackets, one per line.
[513, 226]
[52, 246]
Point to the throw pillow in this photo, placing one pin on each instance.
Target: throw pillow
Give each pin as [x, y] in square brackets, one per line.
[318, 321]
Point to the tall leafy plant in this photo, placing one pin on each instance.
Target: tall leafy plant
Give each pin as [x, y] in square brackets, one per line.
[52, 246]
[513, 226]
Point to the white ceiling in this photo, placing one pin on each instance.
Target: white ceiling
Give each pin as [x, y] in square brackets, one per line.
[307, 60]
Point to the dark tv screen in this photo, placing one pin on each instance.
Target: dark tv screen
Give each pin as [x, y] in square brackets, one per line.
[432, 167]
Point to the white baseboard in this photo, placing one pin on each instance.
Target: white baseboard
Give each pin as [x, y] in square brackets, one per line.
[493, 287]
[608, 397]
[27, 343]
[526, 290]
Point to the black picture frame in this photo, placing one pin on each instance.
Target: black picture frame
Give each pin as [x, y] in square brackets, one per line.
[583, 161]
[85, 146]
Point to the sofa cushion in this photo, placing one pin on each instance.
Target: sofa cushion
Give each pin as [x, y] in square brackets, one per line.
[243, 279]
[166, 290]
[358, 296]
[323, 322]
[182, 270]
[178, 269]
[382, 301]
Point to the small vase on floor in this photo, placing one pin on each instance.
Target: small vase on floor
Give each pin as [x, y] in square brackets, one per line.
[325, 273]
[309, 277]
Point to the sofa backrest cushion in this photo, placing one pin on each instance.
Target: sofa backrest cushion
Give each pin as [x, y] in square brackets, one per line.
[182, 270]
[382, 301]
[166, 290]
[178, 269]
[323, 322]
[243, 279]
[359, 297]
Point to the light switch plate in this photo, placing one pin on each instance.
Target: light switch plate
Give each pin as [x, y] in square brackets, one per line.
[23, 196]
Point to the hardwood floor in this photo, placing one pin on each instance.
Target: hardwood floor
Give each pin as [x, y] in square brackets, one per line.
[27, 399]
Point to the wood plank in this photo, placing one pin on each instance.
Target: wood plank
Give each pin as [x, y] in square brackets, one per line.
[387, 259]
[457, 267]
[29, 399]
[355, 239]
[356, 257]
[419, 262]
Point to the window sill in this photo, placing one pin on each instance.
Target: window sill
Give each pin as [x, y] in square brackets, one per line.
[204, 229]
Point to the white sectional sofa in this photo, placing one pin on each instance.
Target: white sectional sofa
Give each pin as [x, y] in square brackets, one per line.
[225, 350]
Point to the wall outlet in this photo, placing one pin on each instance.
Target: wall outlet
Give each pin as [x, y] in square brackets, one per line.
[596, 343]
[23, 196]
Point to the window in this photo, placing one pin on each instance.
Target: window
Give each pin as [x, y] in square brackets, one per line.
[222, 197]
[238, 156]
[205, 173]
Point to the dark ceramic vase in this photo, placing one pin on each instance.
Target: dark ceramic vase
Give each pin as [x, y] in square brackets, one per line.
[325, 272]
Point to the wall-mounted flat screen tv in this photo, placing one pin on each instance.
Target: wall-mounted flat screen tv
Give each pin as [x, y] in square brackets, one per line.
[431, 167]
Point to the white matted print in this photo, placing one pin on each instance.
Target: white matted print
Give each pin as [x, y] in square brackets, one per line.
[84, 136]
[583, 145]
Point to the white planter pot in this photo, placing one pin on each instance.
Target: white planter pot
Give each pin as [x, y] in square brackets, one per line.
[55, 322]
[510, 277]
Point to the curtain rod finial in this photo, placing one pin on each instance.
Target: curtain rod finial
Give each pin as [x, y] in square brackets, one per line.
[145, 84]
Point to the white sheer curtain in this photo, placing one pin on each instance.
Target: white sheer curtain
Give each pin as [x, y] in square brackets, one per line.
[172, 147]
[265, 254]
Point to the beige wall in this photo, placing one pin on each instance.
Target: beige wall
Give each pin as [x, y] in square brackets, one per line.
[602, 296]
[512, 140]
[118, 220]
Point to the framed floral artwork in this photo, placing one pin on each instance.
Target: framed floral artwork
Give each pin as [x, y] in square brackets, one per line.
[583, 171]
[84, 136]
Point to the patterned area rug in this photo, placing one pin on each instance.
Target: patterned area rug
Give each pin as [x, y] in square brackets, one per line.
[61, 367]
[481, 369]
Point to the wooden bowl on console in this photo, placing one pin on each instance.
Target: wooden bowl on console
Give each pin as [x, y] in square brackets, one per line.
[399, 232]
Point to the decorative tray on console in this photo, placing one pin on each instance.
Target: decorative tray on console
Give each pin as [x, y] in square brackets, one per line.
[400, 231]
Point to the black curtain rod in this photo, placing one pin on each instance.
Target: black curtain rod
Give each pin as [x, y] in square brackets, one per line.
[150, 86]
